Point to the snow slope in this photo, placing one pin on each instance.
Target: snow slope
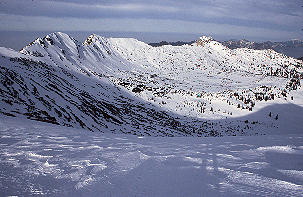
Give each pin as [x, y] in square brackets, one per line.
[122, 85]
[40, 159]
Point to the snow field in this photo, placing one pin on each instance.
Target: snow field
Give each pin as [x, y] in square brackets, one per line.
[46, 160]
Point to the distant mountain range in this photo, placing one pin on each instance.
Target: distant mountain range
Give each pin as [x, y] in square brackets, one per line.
[292, 48]
[178, 43]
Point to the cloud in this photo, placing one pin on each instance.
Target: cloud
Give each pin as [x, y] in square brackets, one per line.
[140, 25]
[272, 15]
[72, 9]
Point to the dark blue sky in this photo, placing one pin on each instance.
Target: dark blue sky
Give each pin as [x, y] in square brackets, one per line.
[225, 19]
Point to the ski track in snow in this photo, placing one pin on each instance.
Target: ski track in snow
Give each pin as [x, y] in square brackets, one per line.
[46, 160]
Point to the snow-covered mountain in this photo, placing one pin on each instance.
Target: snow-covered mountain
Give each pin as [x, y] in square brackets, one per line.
[292, 48]
[124, 85]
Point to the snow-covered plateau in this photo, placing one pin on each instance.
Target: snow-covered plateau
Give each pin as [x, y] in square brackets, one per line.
[66, 107]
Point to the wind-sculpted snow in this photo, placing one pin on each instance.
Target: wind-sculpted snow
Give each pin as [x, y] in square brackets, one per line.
[122, 85]
[48, 160]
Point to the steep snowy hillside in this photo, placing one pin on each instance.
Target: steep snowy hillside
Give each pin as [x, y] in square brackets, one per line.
[124, 85]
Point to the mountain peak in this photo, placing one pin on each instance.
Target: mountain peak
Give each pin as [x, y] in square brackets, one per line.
[51, 39]
[244, 40]
[204, 39]
[93, 38]
[56, 35]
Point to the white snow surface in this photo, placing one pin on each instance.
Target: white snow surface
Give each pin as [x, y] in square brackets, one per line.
[40, 159]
